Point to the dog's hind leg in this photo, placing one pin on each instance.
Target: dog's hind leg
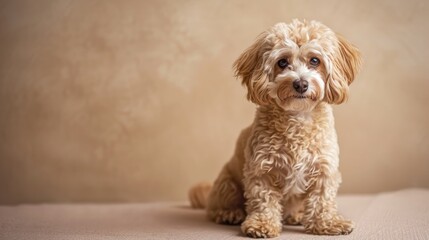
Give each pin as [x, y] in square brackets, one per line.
[293, 210]
[226, 200]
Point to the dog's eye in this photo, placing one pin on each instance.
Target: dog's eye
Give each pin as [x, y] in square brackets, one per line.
[282, 63]
[314, 62]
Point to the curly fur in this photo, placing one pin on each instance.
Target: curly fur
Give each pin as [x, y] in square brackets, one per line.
[285, 166]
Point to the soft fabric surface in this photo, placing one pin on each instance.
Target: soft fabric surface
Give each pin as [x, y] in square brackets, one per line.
[395, 215]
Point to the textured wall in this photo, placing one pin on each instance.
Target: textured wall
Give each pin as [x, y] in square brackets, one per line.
[135, 100]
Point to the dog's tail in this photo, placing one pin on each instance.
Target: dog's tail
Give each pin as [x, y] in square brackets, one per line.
[198, 195]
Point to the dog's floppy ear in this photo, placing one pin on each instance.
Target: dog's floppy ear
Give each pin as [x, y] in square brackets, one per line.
[345, 66]
[250, 68]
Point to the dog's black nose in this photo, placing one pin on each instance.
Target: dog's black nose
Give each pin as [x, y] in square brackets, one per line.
[300, 85]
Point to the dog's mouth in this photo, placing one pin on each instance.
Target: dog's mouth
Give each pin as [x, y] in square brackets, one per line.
[300, 97]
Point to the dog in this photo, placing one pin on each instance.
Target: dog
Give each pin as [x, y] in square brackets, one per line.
[285, 166]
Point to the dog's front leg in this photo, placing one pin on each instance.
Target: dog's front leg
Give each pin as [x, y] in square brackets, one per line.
[264, 211]
[321, 216]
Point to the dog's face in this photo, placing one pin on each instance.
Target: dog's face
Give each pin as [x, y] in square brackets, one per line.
[298, 65]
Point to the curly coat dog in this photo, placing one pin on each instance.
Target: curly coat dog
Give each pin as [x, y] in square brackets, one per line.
[285, 166]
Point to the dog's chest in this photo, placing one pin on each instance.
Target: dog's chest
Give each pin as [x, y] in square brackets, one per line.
[292, 158]
[299, 143]
[297, 169]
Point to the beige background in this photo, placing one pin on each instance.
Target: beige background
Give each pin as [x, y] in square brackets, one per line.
[135, 100]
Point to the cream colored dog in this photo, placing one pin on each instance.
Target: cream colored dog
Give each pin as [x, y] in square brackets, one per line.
[285, 166]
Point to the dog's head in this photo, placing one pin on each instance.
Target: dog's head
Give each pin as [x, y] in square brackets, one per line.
[298, 65]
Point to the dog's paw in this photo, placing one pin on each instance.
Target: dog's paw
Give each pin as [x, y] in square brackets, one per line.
[333, 227]
[232, 217]
[294, 219]
[257, 228]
